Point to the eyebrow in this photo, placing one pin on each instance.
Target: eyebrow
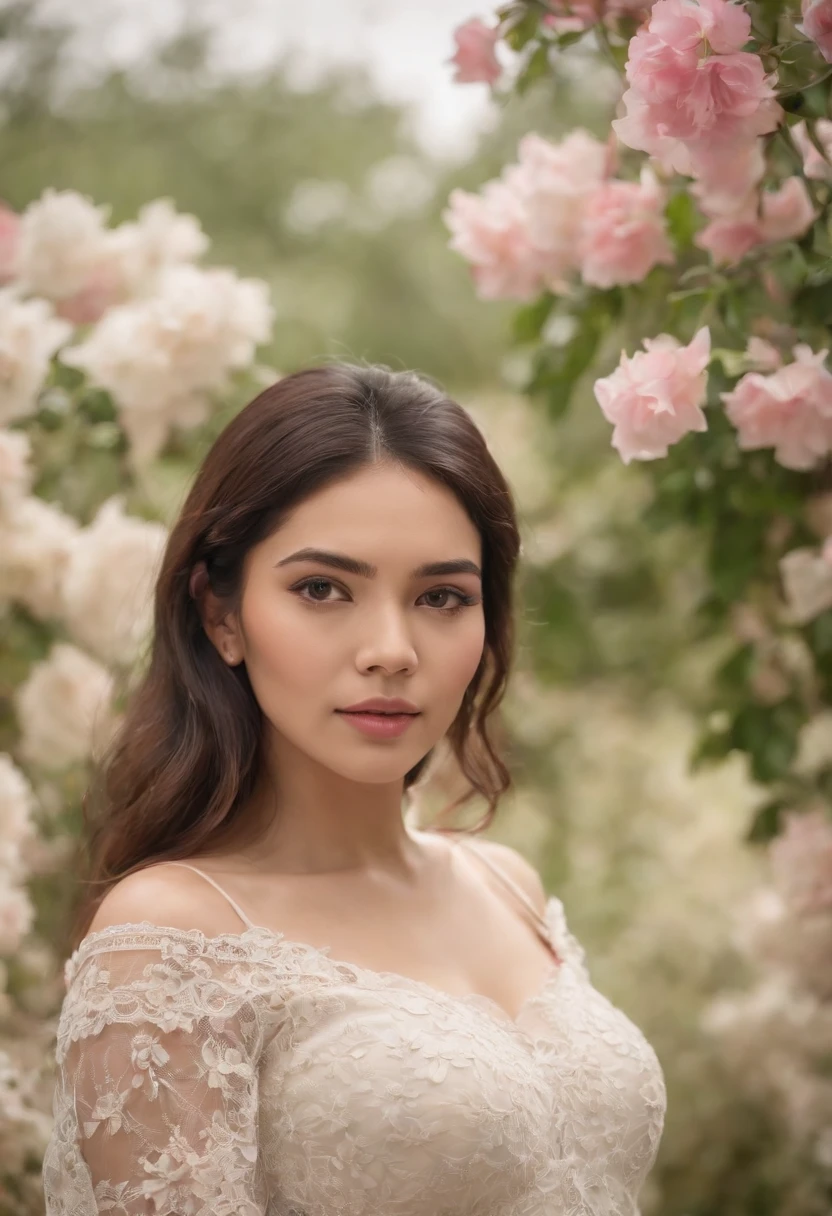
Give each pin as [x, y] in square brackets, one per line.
[352, 565]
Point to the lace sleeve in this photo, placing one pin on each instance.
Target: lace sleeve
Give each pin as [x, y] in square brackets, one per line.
[156, 1097]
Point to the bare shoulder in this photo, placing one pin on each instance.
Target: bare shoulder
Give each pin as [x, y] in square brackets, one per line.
[168, 896]
[516, 866]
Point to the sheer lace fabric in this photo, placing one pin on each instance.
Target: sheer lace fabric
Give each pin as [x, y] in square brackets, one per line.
[250, 1075]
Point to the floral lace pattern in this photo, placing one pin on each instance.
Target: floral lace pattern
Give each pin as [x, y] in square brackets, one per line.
[248, 1075]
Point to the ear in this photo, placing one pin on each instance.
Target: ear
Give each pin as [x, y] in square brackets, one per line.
[220, 624]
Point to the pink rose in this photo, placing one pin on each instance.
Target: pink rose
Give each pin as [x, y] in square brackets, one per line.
[786, 212]
[656, 396]
[817, 25]
[730, 237]
[781, 215]
[555, 181]
[623, 234]
[762, 355]
[726, 27]
[475, 59]
[789, 410]
[816, 165]
[694, 95]
[727, 177]
[9, 242]
[490, 230]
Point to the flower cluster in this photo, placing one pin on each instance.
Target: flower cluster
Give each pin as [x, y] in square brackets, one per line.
[162, 333]
[697, 101]
[778, 1034]
[556, 214]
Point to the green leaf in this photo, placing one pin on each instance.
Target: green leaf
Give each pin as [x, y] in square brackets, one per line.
[711, 746]
[558, 368]
[521, 28]
[767, 821]
[814, 304]
[536, 67]
[682, 219]
[528, 321]
[768, 734]
[734, 672]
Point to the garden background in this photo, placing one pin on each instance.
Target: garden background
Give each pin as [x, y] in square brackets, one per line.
[667, 723]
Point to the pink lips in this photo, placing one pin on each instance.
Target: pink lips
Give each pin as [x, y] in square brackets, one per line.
[379, 726]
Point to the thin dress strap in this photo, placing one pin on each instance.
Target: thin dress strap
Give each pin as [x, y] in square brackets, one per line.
[539, 920]
[185, 866]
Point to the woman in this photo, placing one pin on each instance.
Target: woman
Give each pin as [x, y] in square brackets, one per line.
[288, 1001]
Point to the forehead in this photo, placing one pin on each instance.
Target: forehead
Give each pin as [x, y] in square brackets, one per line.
[378, 507]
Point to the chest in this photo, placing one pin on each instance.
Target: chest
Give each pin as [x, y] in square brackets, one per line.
[378, 1097]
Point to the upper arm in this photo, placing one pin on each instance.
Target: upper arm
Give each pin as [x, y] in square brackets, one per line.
[168, 896]
[156, 1096]
[517, 867]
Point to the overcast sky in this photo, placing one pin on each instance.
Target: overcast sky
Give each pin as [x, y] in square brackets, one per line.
[404, 44]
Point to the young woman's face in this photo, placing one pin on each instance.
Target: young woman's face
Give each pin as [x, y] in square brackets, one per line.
[317, 638]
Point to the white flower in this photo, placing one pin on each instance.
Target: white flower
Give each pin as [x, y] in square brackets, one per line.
[35, 540]
[161, 356]
[15, 473]
[16, 803]
[161, 237]
[63, 242]
[64, 708]
[807, 582]
[108, 583]
[16, 916]
[29, 336]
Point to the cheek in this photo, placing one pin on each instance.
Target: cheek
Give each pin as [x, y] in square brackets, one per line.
[286, 651]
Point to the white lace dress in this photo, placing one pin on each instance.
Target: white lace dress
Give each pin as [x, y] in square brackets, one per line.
[250, 1075]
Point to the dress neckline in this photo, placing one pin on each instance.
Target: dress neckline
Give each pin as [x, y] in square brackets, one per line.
[134, 936]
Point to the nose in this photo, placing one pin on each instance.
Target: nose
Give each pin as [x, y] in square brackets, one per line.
[387, 641]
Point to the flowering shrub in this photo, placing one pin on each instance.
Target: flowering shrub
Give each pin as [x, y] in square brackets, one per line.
[696, 236]
[113, 342]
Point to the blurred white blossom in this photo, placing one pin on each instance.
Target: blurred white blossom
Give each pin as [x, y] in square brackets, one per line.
[35, 540]
[30, 334]
[160, 357]
[15, 470]
[807, 582]
[64, 708]
[16, 804]
[63, 243]
[161, 237]
[108, 583]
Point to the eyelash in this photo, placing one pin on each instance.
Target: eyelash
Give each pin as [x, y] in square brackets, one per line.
[467, 600]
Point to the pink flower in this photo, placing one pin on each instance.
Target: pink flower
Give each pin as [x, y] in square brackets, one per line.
[724, 26]
[727, 177]
[475, 59]
[730, 237]
[789, 410]
[786, 212]
[9, 242]
[656, 396]
[815, 164]
[801, 859]
[554, 182]
[623, 235]
[762, 355]
[694, 95]
[817, 25]
[490, 230]
[782, 214]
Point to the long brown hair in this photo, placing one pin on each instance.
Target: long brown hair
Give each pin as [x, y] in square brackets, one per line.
[187, 754]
